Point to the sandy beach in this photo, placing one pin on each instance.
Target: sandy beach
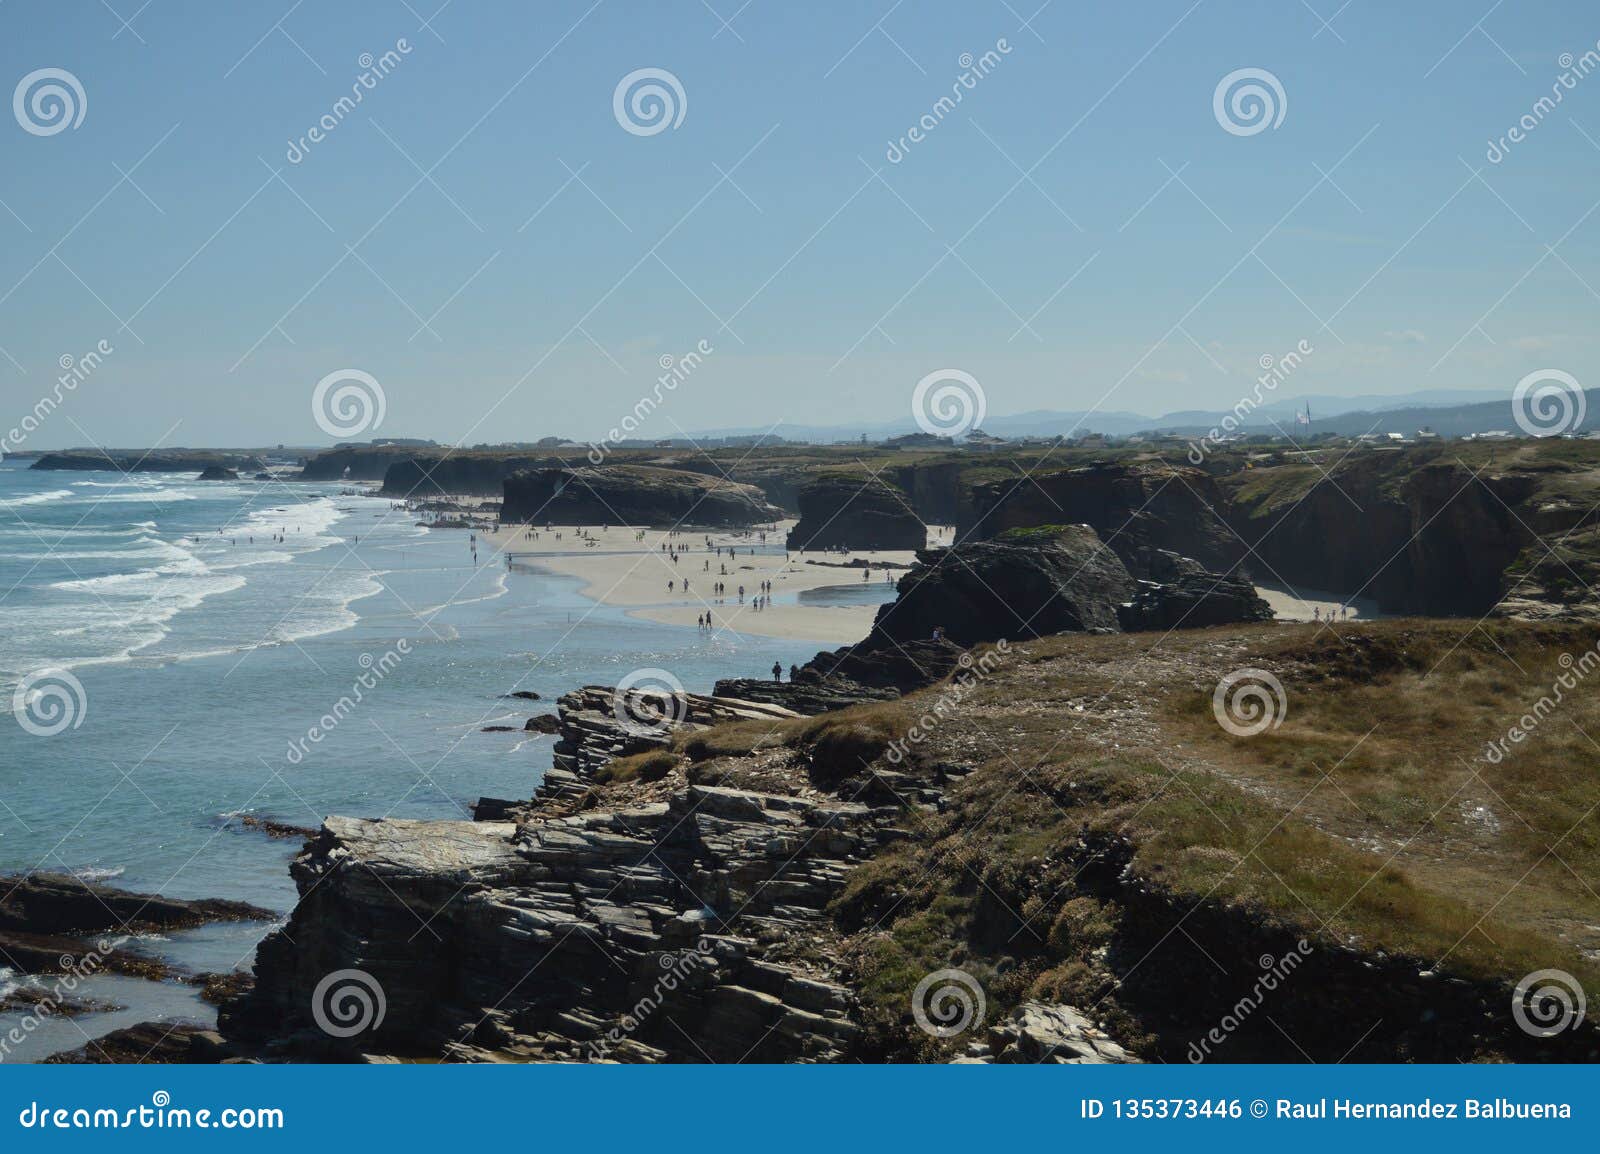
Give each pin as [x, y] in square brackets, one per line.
[1316, 604]
[815, 596]
[623, 568]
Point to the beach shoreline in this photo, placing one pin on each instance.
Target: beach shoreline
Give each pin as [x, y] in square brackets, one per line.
[624, 569]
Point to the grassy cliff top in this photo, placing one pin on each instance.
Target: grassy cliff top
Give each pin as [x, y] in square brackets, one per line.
[1371, 820]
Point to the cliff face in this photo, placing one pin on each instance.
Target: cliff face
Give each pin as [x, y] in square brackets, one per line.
[353, 463]
[1434, 538]
[631, 495]
[847, 511]
[1133, 507]
[477, 476]
[584, 938]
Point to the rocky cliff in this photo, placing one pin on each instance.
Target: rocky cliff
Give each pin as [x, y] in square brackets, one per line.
[1420, 534]
[1133, 507]
[855, 511]
[476, 475]
[631, 495]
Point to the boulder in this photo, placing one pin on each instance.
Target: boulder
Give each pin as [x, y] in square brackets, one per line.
[1183, 594]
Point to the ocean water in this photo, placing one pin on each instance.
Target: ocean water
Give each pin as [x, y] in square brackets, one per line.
[184, 670]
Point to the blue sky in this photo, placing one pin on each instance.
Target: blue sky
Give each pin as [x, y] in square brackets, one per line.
[1079, 232]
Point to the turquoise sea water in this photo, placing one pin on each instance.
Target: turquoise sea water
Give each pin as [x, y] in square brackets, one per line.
[205, 658]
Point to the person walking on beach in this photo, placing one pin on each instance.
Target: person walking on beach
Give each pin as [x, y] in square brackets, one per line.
[777, 671]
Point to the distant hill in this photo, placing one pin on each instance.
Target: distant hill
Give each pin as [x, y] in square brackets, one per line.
[1450, 412]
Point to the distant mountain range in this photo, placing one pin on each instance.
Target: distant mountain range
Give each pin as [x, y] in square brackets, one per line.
[1448, 412]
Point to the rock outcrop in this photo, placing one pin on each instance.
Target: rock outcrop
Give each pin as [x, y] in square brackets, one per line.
[808, 694]
[1031, 583]
[855, 511]
[597, 724]
[1183, 594]
[1036, 1033]
[217, 473]
[658, 932]
[60, 904]
[1134, 507]
[631, 495]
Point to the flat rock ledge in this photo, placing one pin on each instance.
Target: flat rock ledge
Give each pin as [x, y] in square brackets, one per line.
[686, 930]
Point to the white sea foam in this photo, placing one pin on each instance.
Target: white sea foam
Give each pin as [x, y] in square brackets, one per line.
[99, 873]
[38, 498]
